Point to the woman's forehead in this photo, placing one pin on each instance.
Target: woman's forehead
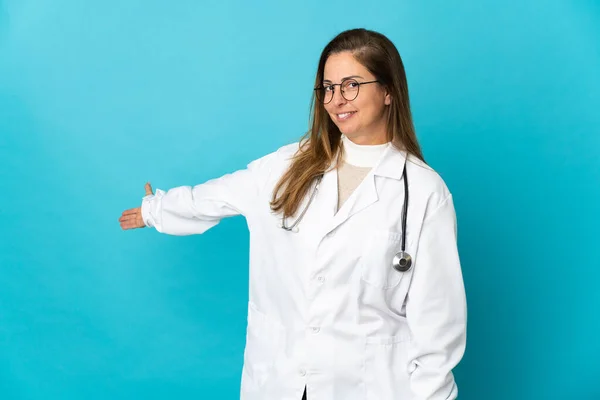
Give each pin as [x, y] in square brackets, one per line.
[342, 65]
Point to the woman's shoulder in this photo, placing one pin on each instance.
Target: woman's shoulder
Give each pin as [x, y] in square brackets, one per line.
[276, 160]
[426, 181]
[288, 150]
[282, 153]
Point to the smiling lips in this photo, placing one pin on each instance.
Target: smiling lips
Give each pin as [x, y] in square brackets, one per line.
[345, 116]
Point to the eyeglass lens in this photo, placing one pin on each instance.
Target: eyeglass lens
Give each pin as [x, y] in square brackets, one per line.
[349, 90]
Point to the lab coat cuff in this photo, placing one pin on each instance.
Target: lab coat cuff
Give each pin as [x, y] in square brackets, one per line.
[150, 208]
[146, 216]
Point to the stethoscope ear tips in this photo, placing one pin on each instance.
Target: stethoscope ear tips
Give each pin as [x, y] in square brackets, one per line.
[402, 261]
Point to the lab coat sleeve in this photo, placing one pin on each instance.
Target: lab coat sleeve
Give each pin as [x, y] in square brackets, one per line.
[188, 210]
[436, 308]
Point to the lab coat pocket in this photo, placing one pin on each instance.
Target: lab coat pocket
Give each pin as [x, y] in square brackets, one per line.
[376, 259]
[386, 368]
[263, 342]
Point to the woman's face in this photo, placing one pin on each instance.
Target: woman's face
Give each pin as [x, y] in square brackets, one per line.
[363, 119]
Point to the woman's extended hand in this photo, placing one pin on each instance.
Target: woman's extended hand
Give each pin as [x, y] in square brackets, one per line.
[132, 218]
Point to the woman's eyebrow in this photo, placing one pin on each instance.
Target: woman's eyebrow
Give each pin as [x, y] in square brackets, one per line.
[343, 79]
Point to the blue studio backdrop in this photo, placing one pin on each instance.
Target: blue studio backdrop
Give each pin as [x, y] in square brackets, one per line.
[98, 97]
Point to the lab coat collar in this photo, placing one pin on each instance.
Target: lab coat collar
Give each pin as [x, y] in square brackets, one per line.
[390, 165]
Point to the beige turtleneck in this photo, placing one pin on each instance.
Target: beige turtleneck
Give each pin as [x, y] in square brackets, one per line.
[358, 161]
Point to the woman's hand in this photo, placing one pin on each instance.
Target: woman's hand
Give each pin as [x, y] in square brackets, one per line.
[132, 218]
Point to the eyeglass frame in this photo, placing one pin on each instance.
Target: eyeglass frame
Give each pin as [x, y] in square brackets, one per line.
[341, 91]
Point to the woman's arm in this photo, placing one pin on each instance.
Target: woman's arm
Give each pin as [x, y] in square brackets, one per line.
[436, 308]
[187, 210]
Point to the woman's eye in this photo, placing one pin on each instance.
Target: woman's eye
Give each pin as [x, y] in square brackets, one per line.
[352, 84]
[328, 88]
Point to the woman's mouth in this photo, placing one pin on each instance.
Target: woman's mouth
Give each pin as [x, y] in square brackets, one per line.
[345, 116]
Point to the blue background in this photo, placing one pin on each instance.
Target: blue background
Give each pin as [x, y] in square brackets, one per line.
[98, 97]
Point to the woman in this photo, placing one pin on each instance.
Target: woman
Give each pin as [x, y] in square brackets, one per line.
[329, 317]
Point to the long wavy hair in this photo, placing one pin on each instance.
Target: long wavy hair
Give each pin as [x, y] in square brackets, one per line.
[321, 143]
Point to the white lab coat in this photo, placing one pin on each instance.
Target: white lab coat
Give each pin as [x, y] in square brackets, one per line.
[325, 307]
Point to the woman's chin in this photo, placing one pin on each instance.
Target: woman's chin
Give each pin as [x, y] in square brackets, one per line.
[346, 130]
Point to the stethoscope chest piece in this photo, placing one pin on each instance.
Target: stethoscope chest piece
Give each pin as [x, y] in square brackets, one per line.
[402, 261]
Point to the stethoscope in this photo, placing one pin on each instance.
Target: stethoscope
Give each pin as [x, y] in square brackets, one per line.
[402, 261]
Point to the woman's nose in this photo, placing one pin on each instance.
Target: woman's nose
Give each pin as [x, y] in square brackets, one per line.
[338, 99]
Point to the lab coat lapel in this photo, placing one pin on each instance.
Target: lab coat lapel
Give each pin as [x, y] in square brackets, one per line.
[389, 166]
[362, 197]
[328, 195]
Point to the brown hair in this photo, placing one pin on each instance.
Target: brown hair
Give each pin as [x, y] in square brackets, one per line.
[321, 143]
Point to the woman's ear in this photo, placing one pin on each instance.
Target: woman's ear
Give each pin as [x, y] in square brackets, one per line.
[388, 99]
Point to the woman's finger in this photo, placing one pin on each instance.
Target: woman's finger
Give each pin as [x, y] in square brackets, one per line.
[129, 217]
[129, 225]
[148, 188]
[131, 211]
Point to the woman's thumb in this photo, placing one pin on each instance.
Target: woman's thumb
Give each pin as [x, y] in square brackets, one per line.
[148, 188]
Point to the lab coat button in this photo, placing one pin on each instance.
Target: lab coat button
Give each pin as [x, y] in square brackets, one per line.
[321, 279]
[315, 329]
[302, 372]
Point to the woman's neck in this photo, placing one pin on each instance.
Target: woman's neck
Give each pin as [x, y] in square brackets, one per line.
[362, 155]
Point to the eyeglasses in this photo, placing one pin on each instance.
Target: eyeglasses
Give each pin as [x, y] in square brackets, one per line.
[349, 89]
